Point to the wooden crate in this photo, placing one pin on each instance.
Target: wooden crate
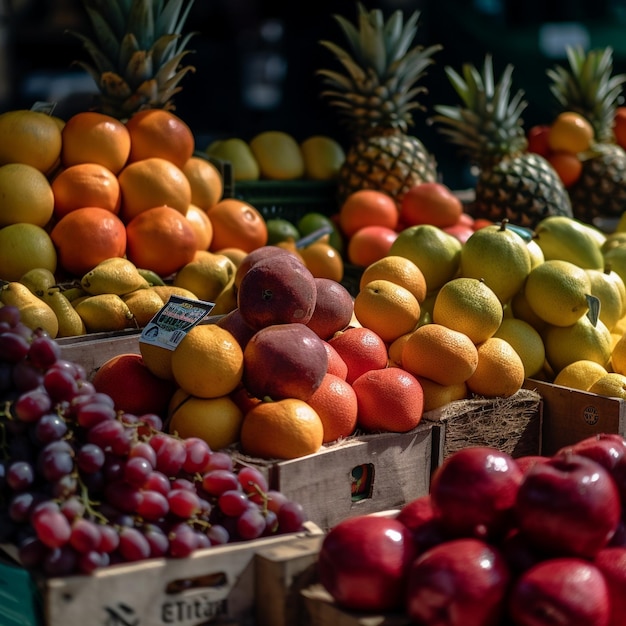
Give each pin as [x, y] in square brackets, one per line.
[512, 425]
[570, 415]
[212, 586]
[360, 475]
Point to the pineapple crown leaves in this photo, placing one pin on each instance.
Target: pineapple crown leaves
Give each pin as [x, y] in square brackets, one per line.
[378, 87]
[588, 87]
[488, 126]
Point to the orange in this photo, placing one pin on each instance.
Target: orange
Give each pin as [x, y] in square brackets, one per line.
[619, 126]
[388, 309]
[399, 270]
[336, 404]
[157, 359]
[90, 137]
[132, 386]
[159, 133]
[202, 226]
[395, 350]
[500, 370]
[571, 132]
[205, 180]
[389, 400]
[214, 420]
[370, 244]
[336, 365]
[160, 239]
[367, 207]
[87, 236]
[323, 261]
[430, 203]
[25, 195]
[153, 182]
[29, 137]
[24, 247]
[208, 362]
[567, 165]
[436, 395]
[237, 224]
[361, 349]
[286, 429]
[446, 356]
[85, 184]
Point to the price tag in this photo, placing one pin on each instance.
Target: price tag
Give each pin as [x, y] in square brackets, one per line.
[178, 316]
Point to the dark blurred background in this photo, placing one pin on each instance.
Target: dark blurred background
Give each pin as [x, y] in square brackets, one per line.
[256, 60]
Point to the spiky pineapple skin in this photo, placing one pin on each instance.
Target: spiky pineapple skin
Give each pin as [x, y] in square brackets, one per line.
[523, 189]
[389, 162]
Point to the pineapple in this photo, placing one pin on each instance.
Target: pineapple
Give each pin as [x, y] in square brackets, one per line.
[588, 88]
[136, 53]
[375, 99]
[512, 183]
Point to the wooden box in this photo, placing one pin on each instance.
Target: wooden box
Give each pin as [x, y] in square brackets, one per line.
[360, 475]
[212, 586]
[512, 425]
[570, 415]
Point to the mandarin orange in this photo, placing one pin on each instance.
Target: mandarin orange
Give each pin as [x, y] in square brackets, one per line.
[367, 207]
[237, 224]
[361, 349]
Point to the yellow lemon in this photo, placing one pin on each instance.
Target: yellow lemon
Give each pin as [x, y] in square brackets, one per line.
[24, 247]
[580, 375]
[612, 385]
[608, 287]
[618, 356]
[206, 277]
[526, 341]
[278, 155]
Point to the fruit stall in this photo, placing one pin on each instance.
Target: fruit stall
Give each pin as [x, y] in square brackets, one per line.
[274, 379]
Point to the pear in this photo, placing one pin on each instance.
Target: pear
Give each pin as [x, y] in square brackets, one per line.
[104, 313]
[278, 155]
[38, 280]
[34, 312]
[238, 153]
[115, 275]
[567, 239]
[70, 322]
[207, 276]
[144, 304]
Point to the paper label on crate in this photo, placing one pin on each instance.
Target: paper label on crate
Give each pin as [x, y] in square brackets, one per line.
[177, 317]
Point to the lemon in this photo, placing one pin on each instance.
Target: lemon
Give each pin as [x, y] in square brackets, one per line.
[521, 310]
[608, 287]
[24, 247]
[526, 341]
[104, 313]
[536, 253]
[206, 277]
[580, 375]
[469, 306]
[278, 155]
[580, 341]
[25, 195]
[556, 291]
[238, 153]
[499, 256]
[323, 157]
[618, 356]
[612, 385]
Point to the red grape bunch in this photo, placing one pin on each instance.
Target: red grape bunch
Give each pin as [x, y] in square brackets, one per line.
[83, 485]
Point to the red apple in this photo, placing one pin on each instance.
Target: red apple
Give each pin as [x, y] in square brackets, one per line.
[527, 461]
[612, 563]
[461, 582]
[563, 590]
[568, 506]
[518, 553]
[618, 540]
[605, 448]
[364, 560]
[418, 516]
[473, 492]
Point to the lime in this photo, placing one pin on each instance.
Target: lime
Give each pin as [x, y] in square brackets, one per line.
[313, 221]
[279, 229]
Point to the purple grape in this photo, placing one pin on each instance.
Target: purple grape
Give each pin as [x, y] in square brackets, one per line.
[44, 352]
[20, 476]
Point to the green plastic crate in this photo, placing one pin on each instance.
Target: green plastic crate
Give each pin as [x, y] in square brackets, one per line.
[20, 600]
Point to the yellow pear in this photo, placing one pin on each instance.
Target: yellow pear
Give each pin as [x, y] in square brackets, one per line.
[115, 275]
[34, 312]
[238, 153]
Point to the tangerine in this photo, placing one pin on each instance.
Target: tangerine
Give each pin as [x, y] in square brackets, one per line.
[499, 372]
[202, 226]
[571, 132]
[323, 261]
[399, 270]
[567, 165]
[430, 203]
[237, 224]
[369, 244]
[207, 186]
[367, 207]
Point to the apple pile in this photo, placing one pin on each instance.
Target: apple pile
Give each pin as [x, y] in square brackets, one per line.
[533, 541]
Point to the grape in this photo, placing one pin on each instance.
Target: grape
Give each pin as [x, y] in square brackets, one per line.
[158, 481]
[26, 376]
[31, 552]
[64, 487]
[60, 561]
[197, 453]
[55, 465]
[10, 315]
[20, 506]
[220, 460]
[72, 508]
[291, 517]
[183, 503]
[271, 523]
[183, 483]
[251, 523]
[275, 500]
[20, 476]
[157, 539]
[43, 352]
[233, 503]
[152, 506]
[133, 545]
[109, 539]
[216, 482]
[137, 470]
[218, 535]
[170, 453]
[50, 427]
[90, 458]
[89, 414]
[183, 540]
[60, 384]
[32, 405]
[122, 496]
[13, 347]
[89, 562]
[52, 528]
[143, 450]
[85, 535]
[252, 480]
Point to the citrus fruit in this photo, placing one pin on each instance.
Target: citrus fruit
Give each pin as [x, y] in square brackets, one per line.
[160, 239]
[469, 306]
[361, 349]
[159, 133]
[618, 355]
[87, 236]
[206, 277]
[499, 256]
[313, 220]
[567, 165]
[612, 385]
[556, 291]
[436, 395]
[336, 365]
[395, 348]
[323, 157]
[500, 370]
[24, 247]
[157, 359]
[25, 195]
[132, 386]
[571, 132]
[201, 225]
[520, 309]
[367, 207]
[29, 137]
[278, 155]
[83, 185]
[333, 310]
[580, 374]
[150, 183]
[144, 304]
[441, 354]
[336, 404]
[280, 229]
[237, 224]
[608, 287]
[205, 180]
[286, 429]
[214, 420]
[389, 400]
[436, 253]
[323, 261]
[430, 203]
[369, 244]
[91, 137]
[236, 255]
[398, 270]
[579, 341]
[388, 309]
[526, 341]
